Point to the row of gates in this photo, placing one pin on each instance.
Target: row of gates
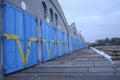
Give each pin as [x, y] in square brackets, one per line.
[76, 44]
[20, 44]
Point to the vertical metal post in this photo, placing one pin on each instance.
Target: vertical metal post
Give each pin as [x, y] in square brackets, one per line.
[0, 43]
[39, 40]
[1, 75]
[55, 39]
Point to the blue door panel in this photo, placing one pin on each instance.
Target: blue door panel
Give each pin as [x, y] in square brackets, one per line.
[19, 26]
[63, 45]
[33, 57]
[9, 20]
[33, 28]
[66, 41]
[16, 22]
[70, 44]
[34, 50]
[10, 47]
[27, 26]
[47, 33]
[30, 32]
[10, 52]
[19, 61]
[20, 32]
[44, 52]
[48, 46]
[59, 45]
[57, 35]
[49, 36]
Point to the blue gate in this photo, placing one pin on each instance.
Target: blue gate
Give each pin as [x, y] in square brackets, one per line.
[16, 55]
[66, 43]
[70, 44]
[59, 43]
[63, 43]
[31, 47]
[47, 37]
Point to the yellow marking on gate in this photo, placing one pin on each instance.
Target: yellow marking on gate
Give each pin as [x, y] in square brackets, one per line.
[60, 44]
[46, 42]
[29, 46]
[15, 37]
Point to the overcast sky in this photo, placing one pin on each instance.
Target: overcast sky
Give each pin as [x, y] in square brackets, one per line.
[97, 19]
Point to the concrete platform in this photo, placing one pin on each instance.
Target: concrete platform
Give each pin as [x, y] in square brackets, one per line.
[79, 65]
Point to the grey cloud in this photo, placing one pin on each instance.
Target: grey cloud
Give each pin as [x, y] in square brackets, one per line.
[96, 18]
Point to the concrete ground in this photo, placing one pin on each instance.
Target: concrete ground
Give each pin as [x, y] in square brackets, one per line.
[79, 65]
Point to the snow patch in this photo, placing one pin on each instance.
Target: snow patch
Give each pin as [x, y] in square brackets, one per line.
[103, 54]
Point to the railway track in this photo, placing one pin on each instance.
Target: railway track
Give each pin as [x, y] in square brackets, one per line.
[113, 51]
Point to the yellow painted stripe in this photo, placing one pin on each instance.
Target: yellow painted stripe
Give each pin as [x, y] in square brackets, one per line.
[15, 37]
[46, 42]
[21, 51]
[11, 36]
[60, 44]
[33, 39]
[28, 50]
[51, 42]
